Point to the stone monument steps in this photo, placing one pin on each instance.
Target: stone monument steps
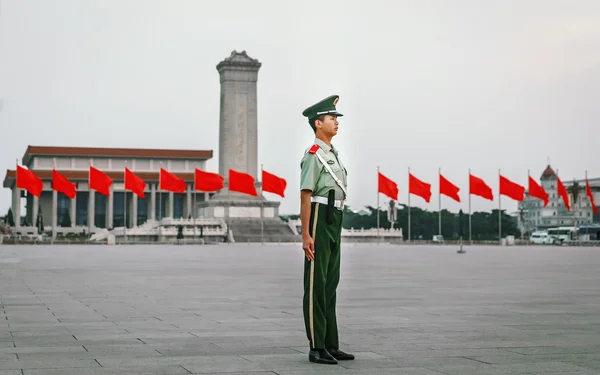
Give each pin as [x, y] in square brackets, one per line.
[274, 230]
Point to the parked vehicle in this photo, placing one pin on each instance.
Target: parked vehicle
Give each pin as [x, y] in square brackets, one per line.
[562, 234]
[541, 238]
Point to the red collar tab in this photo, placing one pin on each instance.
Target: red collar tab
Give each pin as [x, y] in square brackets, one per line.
[313, 149]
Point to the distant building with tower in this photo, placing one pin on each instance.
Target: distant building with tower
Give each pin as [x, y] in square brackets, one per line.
[534, 216]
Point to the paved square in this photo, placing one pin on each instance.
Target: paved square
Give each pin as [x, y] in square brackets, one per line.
[237, 309]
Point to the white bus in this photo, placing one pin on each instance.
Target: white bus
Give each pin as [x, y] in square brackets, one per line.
[562, 234]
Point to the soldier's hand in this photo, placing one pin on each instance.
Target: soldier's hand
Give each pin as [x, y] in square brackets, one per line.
[308, 245]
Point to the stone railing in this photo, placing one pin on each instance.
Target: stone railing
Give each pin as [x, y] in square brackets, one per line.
[372, 232]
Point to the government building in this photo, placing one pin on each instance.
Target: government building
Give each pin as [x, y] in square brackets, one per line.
[90, 210]
[534, 216]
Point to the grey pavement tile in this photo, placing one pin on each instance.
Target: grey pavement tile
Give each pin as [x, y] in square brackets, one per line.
[43, 349]
[49, 363]
[158, 370]
[91, 355]
[510, 369]
[8, 357]
[215, 350]
[442, 353]
[213, 362]
[319, 369]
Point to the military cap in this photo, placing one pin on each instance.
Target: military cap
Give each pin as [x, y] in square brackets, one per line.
[324, 107]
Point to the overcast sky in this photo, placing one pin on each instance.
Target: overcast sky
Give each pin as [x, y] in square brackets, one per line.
[423, 84]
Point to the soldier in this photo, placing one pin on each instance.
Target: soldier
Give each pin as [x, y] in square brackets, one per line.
[323, 193]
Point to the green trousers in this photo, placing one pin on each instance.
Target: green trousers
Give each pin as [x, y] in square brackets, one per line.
[321, 278]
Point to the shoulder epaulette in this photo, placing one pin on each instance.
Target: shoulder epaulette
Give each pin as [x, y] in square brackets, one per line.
[313, 149]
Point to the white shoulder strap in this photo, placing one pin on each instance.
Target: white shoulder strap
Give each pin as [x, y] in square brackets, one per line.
[336, 179]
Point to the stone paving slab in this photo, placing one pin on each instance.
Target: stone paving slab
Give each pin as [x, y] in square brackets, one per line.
[237, 309]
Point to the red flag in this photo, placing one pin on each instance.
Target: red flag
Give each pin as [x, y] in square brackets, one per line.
[208, 181]
[536, 191]
[134, 184]
[387, 186]
[418, 187]
[27, 180]
[449, 189]
[99, 181]
[273, 184]
[478, 187]
[61, 184]
[242, 182]
[588, 192]
[170, 182]
[562, 191]
[511, 189]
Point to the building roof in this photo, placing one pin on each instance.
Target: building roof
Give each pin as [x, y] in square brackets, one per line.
[76, 176]
[115, 152]
[548, 173]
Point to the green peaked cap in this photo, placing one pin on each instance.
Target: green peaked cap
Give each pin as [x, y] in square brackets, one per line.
[324, 107]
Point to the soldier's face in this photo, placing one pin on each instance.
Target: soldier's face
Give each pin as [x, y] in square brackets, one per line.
[329, 125]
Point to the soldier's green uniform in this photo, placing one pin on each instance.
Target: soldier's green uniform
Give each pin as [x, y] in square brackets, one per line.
[322, 274]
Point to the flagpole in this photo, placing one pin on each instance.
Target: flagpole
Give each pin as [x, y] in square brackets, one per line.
[194, 204]
[54, 205]
[439, 202]
[499, 211]
[559, 200]
[228, 204]
[409, 204]
[523, 221]
[125, 203]
[470, 236]
[262, 218]
[159, 196]
[586, 186]
[377, 203]
[89, 200]
[17, 218]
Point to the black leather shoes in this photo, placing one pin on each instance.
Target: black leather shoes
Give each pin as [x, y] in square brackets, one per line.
[340, 355]
[321, 356]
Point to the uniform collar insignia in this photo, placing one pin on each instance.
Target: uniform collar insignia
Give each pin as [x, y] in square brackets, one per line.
[323, 145]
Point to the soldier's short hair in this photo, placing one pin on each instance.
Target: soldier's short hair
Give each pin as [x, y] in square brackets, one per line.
[312, 122]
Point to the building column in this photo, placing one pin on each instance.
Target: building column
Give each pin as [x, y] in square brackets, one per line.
[36, 207]
[91, 210]
[126, 212]
[188, 202]
[171, 200]
[73, 211]
[134, 210]
[54, 212]
[16, 205]
[152, 207]
[110, 207]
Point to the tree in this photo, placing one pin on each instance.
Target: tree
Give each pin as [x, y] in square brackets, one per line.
[461, 224]
[66, 221]
[425, 223]
[10, 220]
[39, 224]
[179, 233]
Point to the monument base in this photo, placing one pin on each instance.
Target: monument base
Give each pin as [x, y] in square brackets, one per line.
[248, 218]
[226, 204]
